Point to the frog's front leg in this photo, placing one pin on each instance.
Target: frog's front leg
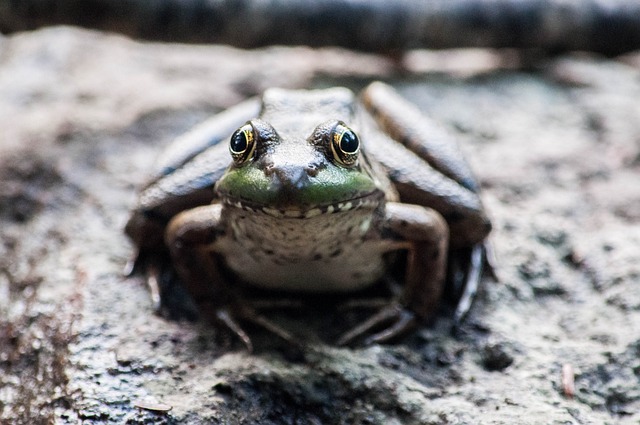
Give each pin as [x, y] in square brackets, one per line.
[191, 236]
[424, 234]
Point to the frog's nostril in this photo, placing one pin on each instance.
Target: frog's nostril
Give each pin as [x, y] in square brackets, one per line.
[290, 178]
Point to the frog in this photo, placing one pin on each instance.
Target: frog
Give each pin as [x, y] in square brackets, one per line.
[314, 192]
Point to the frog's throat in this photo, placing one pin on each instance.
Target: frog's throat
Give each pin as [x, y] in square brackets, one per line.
[369, 201]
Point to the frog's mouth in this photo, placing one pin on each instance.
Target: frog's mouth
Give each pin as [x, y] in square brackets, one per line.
[368, 201]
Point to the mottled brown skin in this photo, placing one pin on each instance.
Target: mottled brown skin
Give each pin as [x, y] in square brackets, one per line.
[424, 201]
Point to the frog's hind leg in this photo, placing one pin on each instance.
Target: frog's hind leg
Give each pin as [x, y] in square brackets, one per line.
[427, 168]
[419, 133]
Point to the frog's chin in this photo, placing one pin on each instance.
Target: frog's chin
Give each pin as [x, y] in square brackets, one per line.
[369, 201]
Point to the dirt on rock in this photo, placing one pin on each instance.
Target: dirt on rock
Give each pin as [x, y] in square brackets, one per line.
[556, 147]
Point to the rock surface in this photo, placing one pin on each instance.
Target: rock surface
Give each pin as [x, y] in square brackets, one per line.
[556, 148]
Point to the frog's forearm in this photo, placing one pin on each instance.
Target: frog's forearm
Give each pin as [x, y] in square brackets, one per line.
[611, 27]
[188, 237]
[427, 236]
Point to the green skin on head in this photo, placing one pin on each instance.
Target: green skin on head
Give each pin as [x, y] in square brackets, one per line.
[331, 184]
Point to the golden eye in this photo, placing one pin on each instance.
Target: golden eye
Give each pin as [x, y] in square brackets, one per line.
[345, 145]
[242, 144]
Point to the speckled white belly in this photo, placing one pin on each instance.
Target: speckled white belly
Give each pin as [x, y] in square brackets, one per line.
[326, 253]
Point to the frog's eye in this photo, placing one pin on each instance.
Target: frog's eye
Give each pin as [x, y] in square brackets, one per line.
[345, 145]
[242, 144]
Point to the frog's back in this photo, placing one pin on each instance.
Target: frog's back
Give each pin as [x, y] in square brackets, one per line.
[298, 112]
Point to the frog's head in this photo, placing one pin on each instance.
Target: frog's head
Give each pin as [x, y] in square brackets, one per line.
[296, 175]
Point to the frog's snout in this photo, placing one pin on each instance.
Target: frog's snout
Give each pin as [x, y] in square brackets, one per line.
[290, 179]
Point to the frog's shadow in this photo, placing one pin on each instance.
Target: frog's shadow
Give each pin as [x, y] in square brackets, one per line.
[318, 318]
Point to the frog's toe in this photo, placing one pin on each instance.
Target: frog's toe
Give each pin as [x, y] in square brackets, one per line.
[131, 266]
[273, 328]
[136, 263]
[141, 263]
[396, 320]
[231, 321]
[153, 284]
[480, 259]
[471, 281]
[227, 319]
[491, 262]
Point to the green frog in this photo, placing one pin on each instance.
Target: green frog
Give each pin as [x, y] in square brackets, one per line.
[314, 192]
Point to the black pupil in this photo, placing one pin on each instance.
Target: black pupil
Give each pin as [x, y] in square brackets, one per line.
[349, 142]
[239, 142]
